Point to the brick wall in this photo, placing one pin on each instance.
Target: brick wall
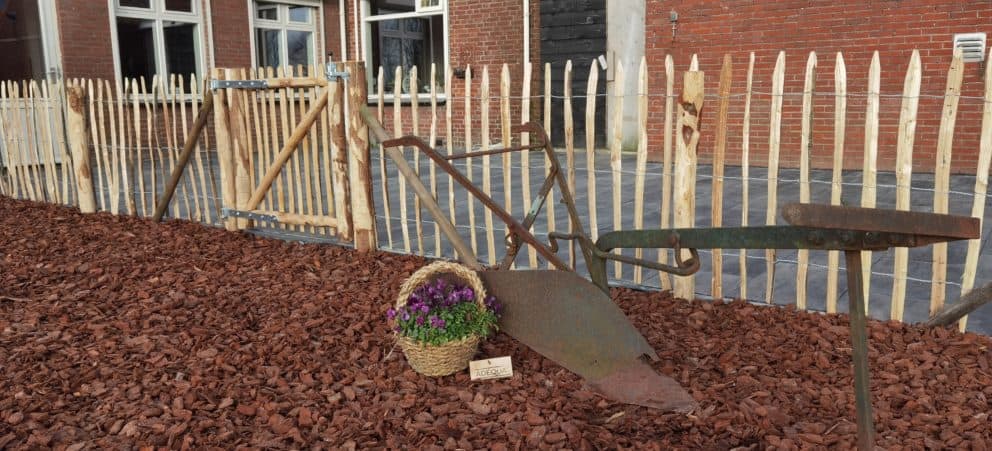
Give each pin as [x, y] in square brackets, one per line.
[84, 27]
[855, 27]
[483, 33]
[480, 33]
[87, 46]
[232, 38]
[332, 33]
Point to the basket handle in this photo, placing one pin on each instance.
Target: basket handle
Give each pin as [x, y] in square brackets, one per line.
[427, 273]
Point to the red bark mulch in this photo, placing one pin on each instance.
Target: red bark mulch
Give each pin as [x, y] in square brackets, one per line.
[117, 332]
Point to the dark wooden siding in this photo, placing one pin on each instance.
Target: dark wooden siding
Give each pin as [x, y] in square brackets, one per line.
[573, 30]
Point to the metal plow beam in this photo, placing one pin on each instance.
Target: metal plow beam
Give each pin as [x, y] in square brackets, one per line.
[557, 313]
[572, 322]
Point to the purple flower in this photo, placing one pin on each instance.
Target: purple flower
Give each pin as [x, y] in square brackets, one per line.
[391, 313]
[493, 305]
[424, 308]
[406, 315]
[452, 299]
[420, 320]
[437, 323]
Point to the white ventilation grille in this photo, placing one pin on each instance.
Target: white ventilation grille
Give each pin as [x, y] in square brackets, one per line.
[972, 46]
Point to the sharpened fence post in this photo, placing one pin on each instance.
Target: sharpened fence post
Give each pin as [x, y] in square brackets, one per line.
[359, 155]
[687, 137]
[78, 140]
[225, 159]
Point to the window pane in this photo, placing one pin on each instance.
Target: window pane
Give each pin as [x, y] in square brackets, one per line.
[408, 43]
[390, 25]
[436, 49]
[413, 55]
[135, 3]
[299, 14]
[267, 47]
[185, 6]
[180, 48]
[415, 25]
[267, 11]
[136, 44]
[391, 55]
[300, 50]
[392, 6]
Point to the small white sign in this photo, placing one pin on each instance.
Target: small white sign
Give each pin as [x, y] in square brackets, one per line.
[495, 368]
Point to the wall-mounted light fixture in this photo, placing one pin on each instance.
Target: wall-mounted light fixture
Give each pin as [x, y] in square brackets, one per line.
[673, 17]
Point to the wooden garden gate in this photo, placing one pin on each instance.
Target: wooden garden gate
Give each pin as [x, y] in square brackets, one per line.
[294, 152]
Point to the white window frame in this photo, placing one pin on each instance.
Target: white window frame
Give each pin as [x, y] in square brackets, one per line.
[421, 8]
[372, 72]
[50, 39]
[315, 27]
[157, 13]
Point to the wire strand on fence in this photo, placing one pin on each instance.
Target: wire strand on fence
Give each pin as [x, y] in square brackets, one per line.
[576, 97]
[728, 253]
[752, 179]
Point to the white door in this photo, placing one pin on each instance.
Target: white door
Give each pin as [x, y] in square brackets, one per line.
[624, 44]
[38, 31]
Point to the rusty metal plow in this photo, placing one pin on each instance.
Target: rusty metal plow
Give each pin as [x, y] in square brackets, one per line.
[519, 231]
[821, 227]
[573, 322]
[559, 314]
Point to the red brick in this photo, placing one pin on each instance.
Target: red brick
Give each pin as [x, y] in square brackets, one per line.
[854, 27]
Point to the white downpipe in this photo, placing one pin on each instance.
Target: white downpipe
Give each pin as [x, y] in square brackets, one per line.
[526, 31]
[357, 30]
[209, 22]
[344, 33]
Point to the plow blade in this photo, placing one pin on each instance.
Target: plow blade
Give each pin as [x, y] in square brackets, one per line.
[572, 322]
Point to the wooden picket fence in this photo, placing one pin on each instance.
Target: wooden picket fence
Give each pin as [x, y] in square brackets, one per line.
[105, 146]
[287, 145]
[130, 134]
[123, 137]
[32, 142]
[677, 197]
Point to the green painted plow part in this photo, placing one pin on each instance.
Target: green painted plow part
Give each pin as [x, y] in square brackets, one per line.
[820, 227]
[558, 312]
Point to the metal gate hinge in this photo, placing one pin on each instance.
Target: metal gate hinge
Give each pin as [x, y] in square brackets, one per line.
[333, 74]
[232, 213]
[238, 84]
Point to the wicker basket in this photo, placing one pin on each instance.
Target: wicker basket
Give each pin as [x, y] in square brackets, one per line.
[451, 357]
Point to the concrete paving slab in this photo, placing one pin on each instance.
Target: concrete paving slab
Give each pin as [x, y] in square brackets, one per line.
[920, 267]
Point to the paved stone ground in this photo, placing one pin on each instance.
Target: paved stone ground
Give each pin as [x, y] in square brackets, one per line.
[920, 267]
[918, 284]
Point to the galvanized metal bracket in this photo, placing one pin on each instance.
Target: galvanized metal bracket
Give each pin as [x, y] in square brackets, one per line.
[238, 84]
[332, 74]
[232, 213]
